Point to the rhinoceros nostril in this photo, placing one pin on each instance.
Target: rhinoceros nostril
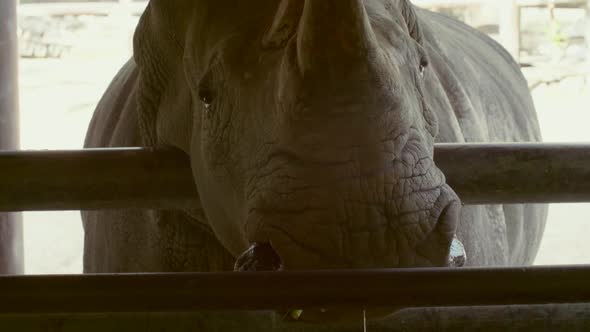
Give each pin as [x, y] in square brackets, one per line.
[259, 257]
[457, 254]
[449, 219]
[435, 248]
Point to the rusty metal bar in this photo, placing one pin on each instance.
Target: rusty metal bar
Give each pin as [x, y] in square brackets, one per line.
[289, 290]
[11, 243]
[147, 178]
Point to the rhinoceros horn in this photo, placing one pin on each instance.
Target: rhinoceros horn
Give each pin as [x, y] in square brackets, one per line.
[285, 24]
[333, 32]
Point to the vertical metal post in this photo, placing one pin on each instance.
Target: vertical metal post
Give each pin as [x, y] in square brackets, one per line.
[587, 37]
[11, 230]
[510, 26]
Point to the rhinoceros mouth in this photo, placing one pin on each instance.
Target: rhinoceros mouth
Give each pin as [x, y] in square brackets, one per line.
[439, 246]
[262, 257]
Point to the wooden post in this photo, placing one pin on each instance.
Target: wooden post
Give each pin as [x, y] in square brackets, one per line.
[11, 243]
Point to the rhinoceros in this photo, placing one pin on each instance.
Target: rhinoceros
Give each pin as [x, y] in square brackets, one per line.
[310, 127]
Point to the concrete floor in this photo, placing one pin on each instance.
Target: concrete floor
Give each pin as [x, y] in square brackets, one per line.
[58, 97]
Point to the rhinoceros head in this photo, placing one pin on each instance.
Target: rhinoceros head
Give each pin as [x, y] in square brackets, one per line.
[307, 129]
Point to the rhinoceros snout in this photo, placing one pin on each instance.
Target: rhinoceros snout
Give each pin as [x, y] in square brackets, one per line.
[442, 247]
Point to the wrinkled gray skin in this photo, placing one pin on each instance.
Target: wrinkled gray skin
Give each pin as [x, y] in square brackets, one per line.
[310, 126]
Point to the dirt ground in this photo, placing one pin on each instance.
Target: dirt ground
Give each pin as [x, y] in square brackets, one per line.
[59, 95]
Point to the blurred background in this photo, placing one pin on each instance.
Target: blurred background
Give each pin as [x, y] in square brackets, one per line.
[70, 50]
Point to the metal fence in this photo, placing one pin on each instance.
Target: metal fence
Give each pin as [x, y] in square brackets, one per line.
[152, 178]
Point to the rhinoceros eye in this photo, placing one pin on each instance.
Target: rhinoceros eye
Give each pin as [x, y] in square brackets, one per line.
[422, 66]
[207, 97]
[205, 91]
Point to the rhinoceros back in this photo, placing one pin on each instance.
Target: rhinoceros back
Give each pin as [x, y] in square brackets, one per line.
[116, 110]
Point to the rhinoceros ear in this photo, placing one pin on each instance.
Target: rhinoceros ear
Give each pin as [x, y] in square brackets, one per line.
[157, 50]
[411, 18]
[166, 21]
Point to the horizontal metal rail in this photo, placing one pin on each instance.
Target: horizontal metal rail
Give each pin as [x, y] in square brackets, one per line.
[95, 179]
[517, 173]
[150, 178]
[293, 290]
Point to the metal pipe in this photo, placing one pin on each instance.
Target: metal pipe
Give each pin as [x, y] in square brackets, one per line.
[148, 178]
[11, 242]
[95, 179]
[553, 317]
[294, 290]
[517, 173]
